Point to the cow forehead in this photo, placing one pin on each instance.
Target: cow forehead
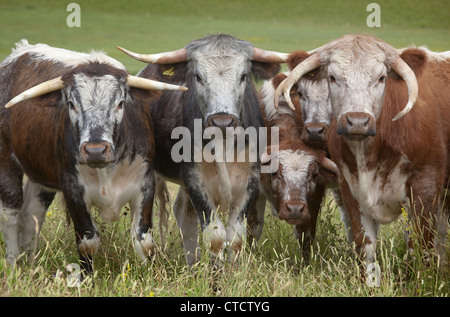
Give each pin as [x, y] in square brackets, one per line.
[295, 165]
[366, 65]
[314, 89]
[219, 45]
[97, 90]
[220, 65]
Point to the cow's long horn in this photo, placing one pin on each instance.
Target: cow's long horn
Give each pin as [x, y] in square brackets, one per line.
[38, 90]
[325, 162]
[401, 68]
[260, 55]
[144, 83]
[172, 57]
[301, 69]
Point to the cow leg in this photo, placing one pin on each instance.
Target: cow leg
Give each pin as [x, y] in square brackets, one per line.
[427, 212]
[236, 232]
[34, 208]
[255, 219]
[364, 228]
[86, 233]
[237, 228]
[187, 221]
[11, 199]
[345, 217]
[142, 219]
[214, 233]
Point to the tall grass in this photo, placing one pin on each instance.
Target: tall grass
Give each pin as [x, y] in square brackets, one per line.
[270, 268]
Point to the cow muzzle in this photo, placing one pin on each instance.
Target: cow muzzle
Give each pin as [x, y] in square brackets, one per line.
[96, 154]
[315, 133]
[222, 121]
[294, 212]
[356, 125]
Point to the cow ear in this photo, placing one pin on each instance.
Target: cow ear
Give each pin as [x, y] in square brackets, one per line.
[144, 96]
[416, 59]
[328, 171]
[168, 73]
[326, 176]
[296, 58]
[265, 70]
[276, 80]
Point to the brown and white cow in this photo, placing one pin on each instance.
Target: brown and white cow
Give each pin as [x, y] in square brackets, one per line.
[296, 188]
[386, 162]
[77, 125]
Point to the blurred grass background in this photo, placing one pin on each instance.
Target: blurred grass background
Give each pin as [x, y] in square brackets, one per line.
[154, 26]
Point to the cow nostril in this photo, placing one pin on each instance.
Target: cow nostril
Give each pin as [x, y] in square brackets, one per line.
[295, 208]
[222, 122]
[95, 150]
[349, 121]
[314, 130]
[364, 121]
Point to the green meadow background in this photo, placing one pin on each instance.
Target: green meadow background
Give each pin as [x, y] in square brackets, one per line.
[274, 267]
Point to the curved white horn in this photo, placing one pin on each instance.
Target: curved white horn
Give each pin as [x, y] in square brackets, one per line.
[38, 90]
[144, 83]
[325, 162]
[401, 68]
[172, 57]
[301, 69]
[260, 55]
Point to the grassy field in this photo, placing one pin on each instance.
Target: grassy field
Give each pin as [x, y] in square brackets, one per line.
[274, 267]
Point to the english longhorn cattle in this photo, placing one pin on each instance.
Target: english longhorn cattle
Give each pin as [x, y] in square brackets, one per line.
[297, 186]
[77, 126]
[217, 70]
[386, 161]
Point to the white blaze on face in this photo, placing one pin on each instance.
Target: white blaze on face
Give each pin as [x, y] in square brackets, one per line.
[295, 166]
[95, 106]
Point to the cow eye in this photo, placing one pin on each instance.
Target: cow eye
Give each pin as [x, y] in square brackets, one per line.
[198, 78]
[71, 105]
[243, 77]
[381, 79]
[332, 79]
[120, 105]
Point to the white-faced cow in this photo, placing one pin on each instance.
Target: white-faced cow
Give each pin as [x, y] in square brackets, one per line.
[218, 70]
[387, 158]
[77, 126]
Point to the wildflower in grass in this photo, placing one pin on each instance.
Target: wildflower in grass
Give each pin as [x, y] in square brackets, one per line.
[125, 273]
